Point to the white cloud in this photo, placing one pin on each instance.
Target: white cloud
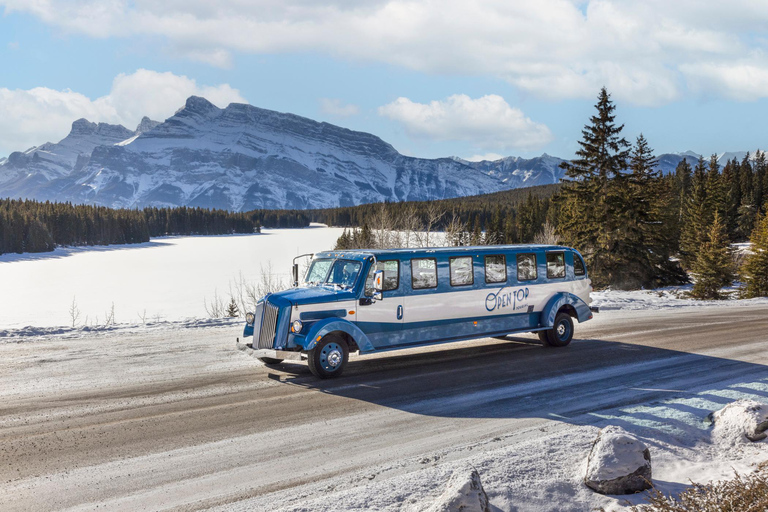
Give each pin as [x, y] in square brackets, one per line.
[491, 157]
[335, 107]
[13, 45]
[486, 122]
[30, 117]
[642, 51]
[742, 81]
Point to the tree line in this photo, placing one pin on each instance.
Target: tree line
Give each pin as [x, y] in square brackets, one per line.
[34, 226]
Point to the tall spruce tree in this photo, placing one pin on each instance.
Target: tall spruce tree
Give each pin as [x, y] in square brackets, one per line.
[713, 267]
[696, 216]
[592, 193]
[755, 270]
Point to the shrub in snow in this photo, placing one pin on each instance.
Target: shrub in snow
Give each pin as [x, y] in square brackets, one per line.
[739, 421]
[464, 493]
[619, 463]
[741, 494]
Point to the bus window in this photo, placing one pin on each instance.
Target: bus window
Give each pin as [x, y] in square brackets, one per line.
[318, 271]
[555, 265]
[526, 267]
[496, 269]
[424, 273]
[578, 266]
[391, 276]
[462, 273]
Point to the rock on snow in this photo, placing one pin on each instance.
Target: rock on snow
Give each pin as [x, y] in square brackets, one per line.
[619, 463]
[464, 493]
[739, 421]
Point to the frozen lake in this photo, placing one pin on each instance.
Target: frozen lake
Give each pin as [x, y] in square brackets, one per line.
[169, 278]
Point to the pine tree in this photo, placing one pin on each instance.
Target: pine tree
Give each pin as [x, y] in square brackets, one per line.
[755, 270]
[232, 309]
[713, 267]
[590, 195]
[696, 218]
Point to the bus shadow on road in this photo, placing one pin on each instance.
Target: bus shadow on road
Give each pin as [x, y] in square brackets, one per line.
[591, 381]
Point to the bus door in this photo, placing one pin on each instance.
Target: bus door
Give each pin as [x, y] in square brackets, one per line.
[382, 320]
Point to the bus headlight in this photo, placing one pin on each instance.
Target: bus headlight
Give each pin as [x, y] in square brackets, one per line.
[297, 326]
[250, 318]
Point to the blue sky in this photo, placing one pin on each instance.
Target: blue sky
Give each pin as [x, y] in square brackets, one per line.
[433, 79]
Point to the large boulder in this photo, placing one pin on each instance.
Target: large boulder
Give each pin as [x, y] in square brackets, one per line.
[619, 463]
[464, 493]
[740, 421]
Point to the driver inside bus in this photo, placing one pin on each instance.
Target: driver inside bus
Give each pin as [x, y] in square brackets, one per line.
[348, 274]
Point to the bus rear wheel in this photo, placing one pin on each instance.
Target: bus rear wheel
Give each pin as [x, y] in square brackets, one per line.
[561, 332]
[329, 357]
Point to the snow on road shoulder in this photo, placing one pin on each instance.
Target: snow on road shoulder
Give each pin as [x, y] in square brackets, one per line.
[31, 333]
[663, 298]
[543, 469]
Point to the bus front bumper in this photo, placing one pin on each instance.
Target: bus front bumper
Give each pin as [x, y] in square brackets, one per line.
[277, 354]
[268, 352]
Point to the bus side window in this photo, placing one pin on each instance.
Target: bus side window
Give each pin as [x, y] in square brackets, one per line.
[526, 267]
[391, 270]
[496, 268]
[423, 273]
[462, 271]
[578, 266]
[555, 265]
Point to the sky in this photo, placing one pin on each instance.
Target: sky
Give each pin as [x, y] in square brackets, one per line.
[473, 79]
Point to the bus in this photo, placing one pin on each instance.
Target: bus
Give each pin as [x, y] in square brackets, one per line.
[378, 300]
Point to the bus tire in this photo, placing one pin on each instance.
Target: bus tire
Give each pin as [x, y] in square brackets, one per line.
[329, 357]
[561, 333]
[269, 360]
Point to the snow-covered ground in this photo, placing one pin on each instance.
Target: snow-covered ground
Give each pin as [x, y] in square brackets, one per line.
[664, 298]
[164, 283]
[166, 279]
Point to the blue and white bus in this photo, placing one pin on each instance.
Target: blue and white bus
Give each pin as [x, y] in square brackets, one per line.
[376, 300]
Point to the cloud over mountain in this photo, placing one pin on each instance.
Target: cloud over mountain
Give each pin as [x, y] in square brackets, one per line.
[29, 116]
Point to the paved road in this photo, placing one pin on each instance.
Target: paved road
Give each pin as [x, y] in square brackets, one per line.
[150, 427]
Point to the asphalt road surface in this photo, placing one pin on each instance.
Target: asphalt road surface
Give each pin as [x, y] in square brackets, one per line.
[182, 419]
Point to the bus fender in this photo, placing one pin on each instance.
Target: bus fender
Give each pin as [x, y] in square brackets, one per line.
[328, 325]
[561, 299]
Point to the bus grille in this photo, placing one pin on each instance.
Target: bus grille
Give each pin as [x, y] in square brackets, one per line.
[268, 326]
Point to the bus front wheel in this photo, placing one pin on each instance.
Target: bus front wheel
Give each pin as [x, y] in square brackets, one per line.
[561, 332]
[329, 357]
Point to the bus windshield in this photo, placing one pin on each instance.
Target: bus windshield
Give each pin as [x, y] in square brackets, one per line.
[342, 273]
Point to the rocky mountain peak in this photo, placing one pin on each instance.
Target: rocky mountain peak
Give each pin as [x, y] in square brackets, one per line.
[197, 105]
[83, 127]
[146, 124]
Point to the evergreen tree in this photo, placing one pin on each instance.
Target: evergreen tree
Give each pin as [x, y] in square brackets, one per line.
[713, 267]
[755, 270]
[592, 193]
[696, 219]
[232, 309]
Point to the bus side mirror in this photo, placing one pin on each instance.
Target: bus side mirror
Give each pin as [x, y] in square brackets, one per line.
[378, 284]
[295, 273]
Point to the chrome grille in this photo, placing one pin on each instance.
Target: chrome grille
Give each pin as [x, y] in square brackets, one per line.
[268, 326]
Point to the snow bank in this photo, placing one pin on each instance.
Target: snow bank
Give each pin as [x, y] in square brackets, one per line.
[664, 298]
[619, 463]
[464, 493]
[740, 421]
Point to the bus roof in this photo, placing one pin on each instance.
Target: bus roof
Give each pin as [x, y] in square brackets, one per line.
[487, 249]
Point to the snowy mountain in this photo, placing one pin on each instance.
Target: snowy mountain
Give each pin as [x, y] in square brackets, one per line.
[516, 172]
[243, 157]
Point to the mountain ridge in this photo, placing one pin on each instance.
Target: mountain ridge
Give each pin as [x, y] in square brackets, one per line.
[243, 157]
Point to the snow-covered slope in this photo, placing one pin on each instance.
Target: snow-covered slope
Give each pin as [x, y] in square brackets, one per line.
[516, 172]
[243, 157]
